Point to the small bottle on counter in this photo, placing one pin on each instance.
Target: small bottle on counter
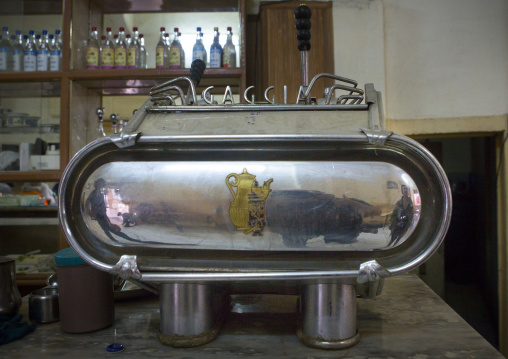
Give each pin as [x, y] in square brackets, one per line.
[93, 50]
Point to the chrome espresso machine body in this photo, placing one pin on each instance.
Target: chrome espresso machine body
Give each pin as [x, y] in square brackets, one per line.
[199, 200]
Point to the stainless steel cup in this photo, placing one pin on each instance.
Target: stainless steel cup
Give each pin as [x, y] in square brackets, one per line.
[43, 305]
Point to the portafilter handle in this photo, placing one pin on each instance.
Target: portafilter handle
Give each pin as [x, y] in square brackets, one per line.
[302, 15]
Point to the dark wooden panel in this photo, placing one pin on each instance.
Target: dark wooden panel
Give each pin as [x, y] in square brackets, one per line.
[278, 58]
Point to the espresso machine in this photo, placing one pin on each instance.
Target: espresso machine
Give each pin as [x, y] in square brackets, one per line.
[198, 200]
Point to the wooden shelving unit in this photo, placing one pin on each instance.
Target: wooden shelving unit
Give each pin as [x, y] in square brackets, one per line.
[82, 91]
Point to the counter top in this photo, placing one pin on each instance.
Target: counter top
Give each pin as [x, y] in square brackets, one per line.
[407, 321]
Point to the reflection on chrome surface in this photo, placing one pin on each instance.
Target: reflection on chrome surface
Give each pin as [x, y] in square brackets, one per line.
[344, 206]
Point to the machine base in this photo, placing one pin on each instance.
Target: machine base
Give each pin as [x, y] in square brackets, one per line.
[320, 343]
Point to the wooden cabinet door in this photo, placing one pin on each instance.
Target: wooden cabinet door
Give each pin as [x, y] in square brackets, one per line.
[278, 57]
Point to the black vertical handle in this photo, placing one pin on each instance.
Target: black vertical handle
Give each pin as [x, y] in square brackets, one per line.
[196, 71]
[303, 14]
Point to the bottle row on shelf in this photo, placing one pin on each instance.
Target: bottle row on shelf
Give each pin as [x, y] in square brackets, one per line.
[128, 51]
[32, 52]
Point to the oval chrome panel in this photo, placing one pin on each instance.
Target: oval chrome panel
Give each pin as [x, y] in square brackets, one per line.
[310, 204]
[324, 206]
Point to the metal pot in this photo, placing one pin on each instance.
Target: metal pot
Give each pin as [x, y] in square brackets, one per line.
[10, 299]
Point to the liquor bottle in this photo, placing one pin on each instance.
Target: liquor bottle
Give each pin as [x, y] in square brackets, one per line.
[10, 60]
[29, 55]
[143, 54]
[121, 51]
[17, 52]
[128, 41]
[58, 39]
[175, 52]
[229, 51]
[133, 54]
[198, 50]
[215, 50]
[31, 36]
[43, 52]
[182, 52]
[161, 51]
[168, 46]
[135, 34]
[5, 48]
[108, 51]
[92, 50]
[99, 132]
[54, 54]
[37, 41]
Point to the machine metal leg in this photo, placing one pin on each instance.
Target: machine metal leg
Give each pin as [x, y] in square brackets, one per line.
[328, 316]
[191, 314]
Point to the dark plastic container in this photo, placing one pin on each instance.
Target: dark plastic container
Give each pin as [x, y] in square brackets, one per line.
[86, 294]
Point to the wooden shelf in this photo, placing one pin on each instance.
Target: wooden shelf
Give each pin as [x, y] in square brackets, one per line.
[132, 6]
[32, 88]
[36, 76]
[30, 176]
[140, 81]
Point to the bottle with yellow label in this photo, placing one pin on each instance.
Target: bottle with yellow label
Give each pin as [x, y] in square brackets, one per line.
[121, 51]
[108, 51]
[92, 50]
[133, 54]
[161, 51]
[175, 52]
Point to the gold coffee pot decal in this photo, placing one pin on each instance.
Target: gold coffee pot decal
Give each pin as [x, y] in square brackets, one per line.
[247, 209]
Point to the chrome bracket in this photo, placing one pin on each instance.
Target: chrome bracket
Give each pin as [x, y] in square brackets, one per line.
[127, 267]
[377, 138]
[376, 133]
[125, 139]
[371, 279]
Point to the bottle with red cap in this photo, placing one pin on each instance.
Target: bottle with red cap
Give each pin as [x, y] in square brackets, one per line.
[108, 51]
[133, 54]
[142, 52]
[121, 50]
[161, 51]
[175, 52]
[92, 50]
[229, 51]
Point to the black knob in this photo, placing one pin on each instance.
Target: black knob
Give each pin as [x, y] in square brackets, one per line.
[303, 25]
[303, 12]
[196, 71]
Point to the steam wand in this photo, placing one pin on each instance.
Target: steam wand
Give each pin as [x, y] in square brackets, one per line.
[303, 25]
